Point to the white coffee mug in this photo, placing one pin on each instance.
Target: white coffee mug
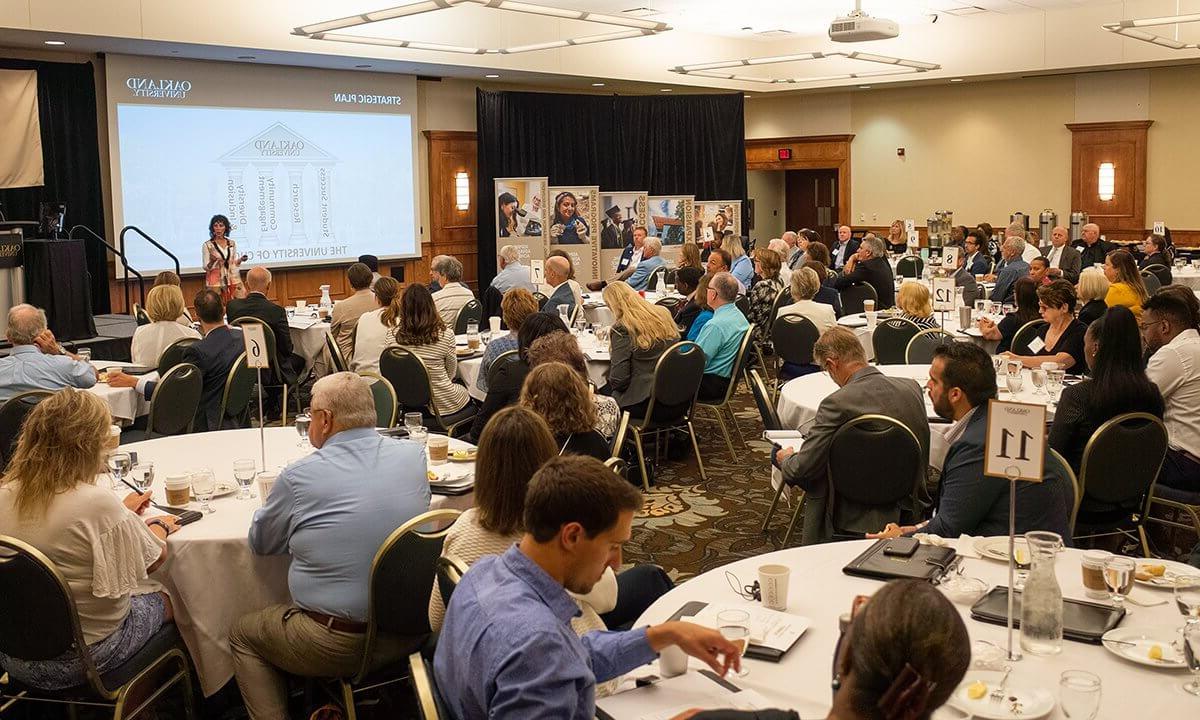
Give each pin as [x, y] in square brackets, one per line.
[266, 481]
[494, 325]
[773, 584]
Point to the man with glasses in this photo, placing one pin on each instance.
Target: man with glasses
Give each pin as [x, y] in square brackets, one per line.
[977, 261]
[1169, 333]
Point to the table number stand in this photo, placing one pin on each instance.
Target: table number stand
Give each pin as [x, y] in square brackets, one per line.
[255, 340]
[1013, 473]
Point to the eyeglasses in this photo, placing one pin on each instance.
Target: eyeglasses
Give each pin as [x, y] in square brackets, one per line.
[1143, 325]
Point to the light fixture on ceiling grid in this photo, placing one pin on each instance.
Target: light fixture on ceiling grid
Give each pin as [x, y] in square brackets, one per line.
[1129, 29]
[326, 30]
[712, 69]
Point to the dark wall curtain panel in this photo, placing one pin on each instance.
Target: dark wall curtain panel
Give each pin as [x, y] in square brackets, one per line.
[71, 157]
[681, 145]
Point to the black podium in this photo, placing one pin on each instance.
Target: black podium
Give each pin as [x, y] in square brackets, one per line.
[57, 280]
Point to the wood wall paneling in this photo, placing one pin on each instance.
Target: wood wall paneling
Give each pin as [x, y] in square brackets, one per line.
[1122, 219]
[816, 152]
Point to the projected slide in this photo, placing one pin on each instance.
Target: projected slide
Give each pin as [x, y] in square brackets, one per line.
[299, 187]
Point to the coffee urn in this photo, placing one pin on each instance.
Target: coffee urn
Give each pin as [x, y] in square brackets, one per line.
[1078, 220]
[1047, 221]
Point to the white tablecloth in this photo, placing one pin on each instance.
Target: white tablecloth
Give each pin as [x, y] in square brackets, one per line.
[857, 323]
[210, 573]
[820, 592]
[1189, 276]
[597, 364]
[308, 339]
[599, 314]
[124, 404]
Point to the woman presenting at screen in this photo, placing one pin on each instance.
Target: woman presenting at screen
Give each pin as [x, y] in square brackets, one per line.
[220, 259]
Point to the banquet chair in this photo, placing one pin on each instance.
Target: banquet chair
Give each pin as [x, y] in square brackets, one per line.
[337, 360]
[1025, 335]
[890, 339]
[239, 388]
[677, 377]
[1150, 279]
[1064, 467]
[275, 377]
[743, 304]
[1173, 506]
[1161, 272]
[541, 300]
[450, 570]
[782, 298]
[173, 354]
[1118, 473]
[670, 303]
[12, 415]
[402, 575]
[910, 266]
[429, 701]
[793, 337]
[140, 314]
[489, 301]
[507, 370]
[770, 419]
[853, 297]
[175, 401]
[618, 438]
[410, 380]
[725, 405]
[39, 621]
[920, 348]
[384, 396]
[472, 312]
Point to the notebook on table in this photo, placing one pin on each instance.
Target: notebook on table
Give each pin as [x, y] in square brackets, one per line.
[772, 633]
[929, 563]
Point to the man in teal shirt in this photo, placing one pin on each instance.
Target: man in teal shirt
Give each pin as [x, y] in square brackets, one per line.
[721, 337]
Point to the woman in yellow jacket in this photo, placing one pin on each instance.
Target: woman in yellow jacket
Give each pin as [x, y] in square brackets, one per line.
[1125, 282]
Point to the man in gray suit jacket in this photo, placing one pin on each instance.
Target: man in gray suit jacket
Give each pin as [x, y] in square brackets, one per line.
[863, 391]
[1065, 261]
[557, 271]
[965, 280]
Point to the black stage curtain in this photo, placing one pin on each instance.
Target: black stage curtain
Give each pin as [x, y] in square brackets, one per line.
[71, 156]
[682, 145]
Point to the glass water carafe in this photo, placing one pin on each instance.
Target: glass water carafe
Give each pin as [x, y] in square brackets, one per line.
[326, 301]
[1041, 600]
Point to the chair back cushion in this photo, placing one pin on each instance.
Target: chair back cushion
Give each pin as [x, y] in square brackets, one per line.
[176, 400]
[677, 374]
[766, 410]
[1122, 459]
[12, 415]
[859, 476]
[472, 312]
[890, 340]
[173, 354]
[920, 349]
[910, 266]
[403, 573]
[37, 617]
[1025, 335]
[239, 388]
[853, 297]
[408, 377]
[793, 337]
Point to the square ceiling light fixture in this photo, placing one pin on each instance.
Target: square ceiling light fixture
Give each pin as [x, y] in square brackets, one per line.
[716, 69]
[1129, 28]
[327, 30]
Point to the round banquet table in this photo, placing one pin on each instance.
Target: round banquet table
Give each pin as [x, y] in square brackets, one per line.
[821, 592]
[308, 338]
[598, 361]
[597, 313]
[124, 404]
[1189, 276]
[210, 574]
[858, 323]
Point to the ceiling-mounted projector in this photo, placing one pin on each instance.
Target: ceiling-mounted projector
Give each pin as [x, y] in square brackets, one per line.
[860, 27]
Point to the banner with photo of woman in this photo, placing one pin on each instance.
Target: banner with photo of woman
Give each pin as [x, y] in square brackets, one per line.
[522, 214]
[575, 228]
[670, 220]
[621, 212]
[723, 215]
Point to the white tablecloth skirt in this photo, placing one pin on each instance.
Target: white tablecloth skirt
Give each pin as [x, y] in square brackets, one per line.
[597, 364]
[124, 404]
[1189, 276]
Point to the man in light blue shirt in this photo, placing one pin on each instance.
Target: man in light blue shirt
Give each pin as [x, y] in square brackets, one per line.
[512, 273]
[721, 337]
[651, 263]
[507, 650]
[331, 511]
[1010, 269]
[36, 360]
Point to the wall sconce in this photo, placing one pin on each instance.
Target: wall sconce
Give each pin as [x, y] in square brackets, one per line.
[1107, 181]
[462, 191]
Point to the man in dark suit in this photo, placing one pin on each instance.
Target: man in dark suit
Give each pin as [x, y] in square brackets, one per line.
[869, 264]
[1065, 261]
[256, 305]
[965, 280]
[1092, 249]
[977, 260]
[214, 356]
[843, 248]
[961, 381]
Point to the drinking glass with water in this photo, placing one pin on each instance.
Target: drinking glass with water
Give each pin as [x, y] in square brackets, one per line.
[244, 471]
[302, 422]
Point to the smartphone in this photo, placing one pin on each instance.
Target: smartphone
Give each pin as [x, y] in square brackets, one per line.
[901, 547]
[775, 448]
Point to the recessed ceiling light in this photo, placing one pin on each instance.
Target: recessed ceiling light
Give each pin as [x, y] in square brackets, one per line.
[245, 57]
[55, 42]
[864, 87]
[491, 76]
[664, 89]
[956, 79]
[362, 66]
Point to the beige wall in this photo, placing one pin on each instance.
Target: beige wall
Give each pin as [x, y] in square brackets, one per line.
[766, 188]
[1173, 153]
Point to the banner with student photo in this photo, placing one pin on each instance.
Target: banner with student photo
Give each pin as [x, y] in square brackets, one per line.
[522, 217]
[575, 228]
[621, 212]
[723, 215]
[670, 220]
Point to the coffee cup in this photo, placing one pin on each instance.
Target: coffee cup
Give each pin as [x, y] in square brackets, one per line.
[300, 304]
[114, 437]
[494, 325]
[868, 305]
[179, 489]
[672, 661]
[773, 585]
[438, 447]
[1092, 567]
[266, 481]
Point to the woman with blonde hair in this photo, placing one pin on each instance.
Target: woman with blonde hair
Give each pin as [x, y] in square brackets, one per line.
[1093, 288]
[164, 305]
[896, 239]
[50, 500]
[915, 304]
[555, 391]
[741, 265]
[689, 256]
[1125, 282]
[767, 264]
[640, 333]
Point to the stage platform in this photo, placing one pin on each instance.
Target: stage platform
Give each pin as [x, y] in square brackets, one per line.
[114, 334]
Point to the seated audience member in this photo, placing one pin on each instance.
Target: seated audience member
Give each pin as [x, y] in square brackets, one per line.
[844, 247]
[1157, 253]
[641, 332]
[1064, 261]
[557, 271]
[329, 511]
[721, 338]
[256, 305]
[166, 277]
[1093, 249]
[718, 260]
[767, 264]
[1169, 332]
[971, 289]
[347, 311]
[816, 251]
[975, 254]
[631, 256]
[897, 240]
[1092, 289]
[1125, 285]
[164, 305]
[794, 256]
[1026, 294]
[1112, 349]
[420, 329]
[961, 381]
[689, 257]
[1062, 338]
[1010, 269]
[704, 311]
[372, 264]
[1188, 297]
[576, 288]
[375, 330]
[214, 355]
[512, 273]
[915, 304]
[535, 327]
[49, 498]
[36, 360]
[516, 443]
[741, 266]
[870, 266]
[577, 515]
[804, 287]
[826, 294]
[651, 263]
[862, 390]
[516, 306]
[781, 249]
[687, 280]
[556, 392]
[452, 293]
[564, 348]
[1039, 270]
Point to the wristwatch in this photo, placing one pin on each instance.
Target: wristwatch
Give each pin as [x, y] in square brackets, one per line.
[155, 521]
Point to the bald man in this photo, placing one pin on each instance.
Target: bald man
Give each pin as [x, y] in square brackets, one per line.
[1092, 248]
[256, 305]
[557, 271]
[844, 248]
[1064, 260]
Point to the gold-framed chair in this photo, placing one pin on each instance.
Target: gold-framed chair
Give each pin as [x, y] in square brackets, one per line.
[920, 348]
[719, 408]
[384, 396]
[1025, 335]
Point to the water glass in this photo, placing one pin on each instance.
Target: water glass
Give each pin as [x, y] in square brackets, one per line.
[669, 288]
[1118, 578]
[1000, 365]
[145, 477]
[244, 471]
[204, 485]
[419, 435]
[1038, 377]
[1191, 653]
[84, 353]
[1014, 381]
[562, 314]
[1079, 694]
[734, 626]
[1054, 383]
[412, 421]
[472, 328]
[118, 464]
[1187, 598]
[303, 420]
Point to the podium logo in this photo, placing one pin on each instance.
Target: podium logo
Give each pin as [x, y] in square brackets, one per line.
[158, 88]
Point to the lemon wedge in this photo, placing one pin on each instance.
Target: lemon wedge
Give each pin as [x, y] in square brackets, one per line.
[1156, 652]
[977, 689]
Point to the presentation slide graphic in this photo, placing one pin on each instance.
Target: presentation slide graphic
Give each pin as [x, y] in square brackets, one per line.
[299, 187]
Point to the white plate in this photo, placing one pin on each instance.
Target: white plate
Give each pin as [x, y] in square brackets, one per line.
[853, 321]
[223, 489]
[996, 548]
[1035, 702]
[1167, 581]
[1144, 639]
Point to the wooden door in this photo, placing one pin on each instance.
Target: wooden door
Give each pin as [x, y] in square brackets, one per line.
[452, 228]
[812, 200]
